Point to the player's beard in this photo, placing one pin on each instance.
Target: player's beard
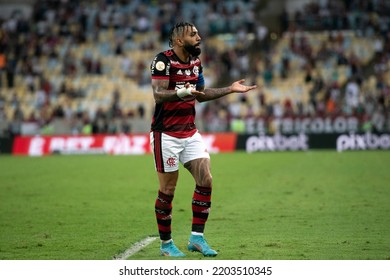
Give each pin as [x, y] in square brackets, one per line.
[193, 50]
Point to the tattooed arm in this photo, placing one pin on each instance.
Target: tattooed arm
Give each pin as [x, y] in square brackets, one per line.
[215, 93]
[162, 94]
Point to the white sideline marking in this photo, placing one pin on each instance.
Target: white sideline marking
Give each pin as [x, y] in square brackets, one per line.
[135, 248]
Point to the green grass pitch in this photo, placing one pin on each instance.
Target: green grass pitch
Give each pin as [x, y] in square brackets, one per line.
[315, 205]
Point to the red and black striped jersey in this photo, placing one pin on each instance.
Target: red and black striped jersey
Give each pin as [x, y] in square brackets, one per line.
[175, 118]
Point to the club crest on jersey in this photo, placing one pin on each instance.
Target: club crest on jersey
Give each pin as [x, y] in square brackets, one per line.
[196, 70]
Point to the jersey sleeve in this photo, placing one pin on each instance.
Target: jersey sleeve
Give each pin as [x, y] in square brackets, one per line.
[160, 67]
[200, 83]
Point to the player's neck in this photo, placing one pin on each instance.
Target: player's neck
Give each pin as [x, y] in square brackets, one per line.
[182, 55]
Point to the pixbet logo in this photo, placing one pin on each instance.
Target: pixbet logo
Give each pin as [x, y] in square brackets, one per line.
[277, 143]
[366, 141]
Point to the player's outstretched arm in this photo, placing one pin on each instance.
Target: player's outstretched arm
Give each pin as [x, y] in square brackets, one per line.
[162, 94]
[239, 86]
[215, 93]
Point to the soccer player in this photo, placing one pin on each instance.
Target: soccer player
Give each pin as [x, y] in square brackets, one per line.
[177, 82]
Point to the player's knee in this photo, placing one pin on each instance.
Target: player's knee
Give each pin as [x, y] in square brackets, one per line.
[168, 189]
[207, 180]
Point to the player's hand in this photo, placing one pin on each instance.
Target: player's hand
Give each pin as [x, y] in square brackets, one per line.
[239, 86]
[194, 91]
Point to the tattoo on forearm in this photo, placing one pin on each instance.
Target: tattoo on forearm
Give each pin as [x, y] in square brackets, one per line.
[161, 92]
[214, 93]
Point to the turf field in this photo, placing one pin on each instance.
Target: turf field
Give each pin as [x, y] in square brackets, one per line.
[273, 206]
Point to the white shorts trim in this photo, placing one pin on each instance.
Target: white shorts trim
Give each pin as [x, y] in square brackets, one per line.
[169, 151]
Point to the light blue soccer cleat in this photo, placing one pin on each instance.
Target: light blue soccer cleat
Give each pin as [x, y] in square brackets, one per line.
[169, 249]
[198, 243]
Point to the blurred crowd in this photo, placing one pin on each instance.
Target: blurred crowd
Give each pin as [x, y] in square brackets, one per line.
[31, 46]
[339, 51]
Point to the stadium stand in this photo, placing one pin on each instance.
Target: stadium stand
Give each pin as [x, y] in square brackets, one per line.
[74, 63]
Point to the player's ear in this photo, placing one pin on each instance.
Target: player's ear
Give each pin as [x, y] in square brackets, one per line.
[179, 41]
